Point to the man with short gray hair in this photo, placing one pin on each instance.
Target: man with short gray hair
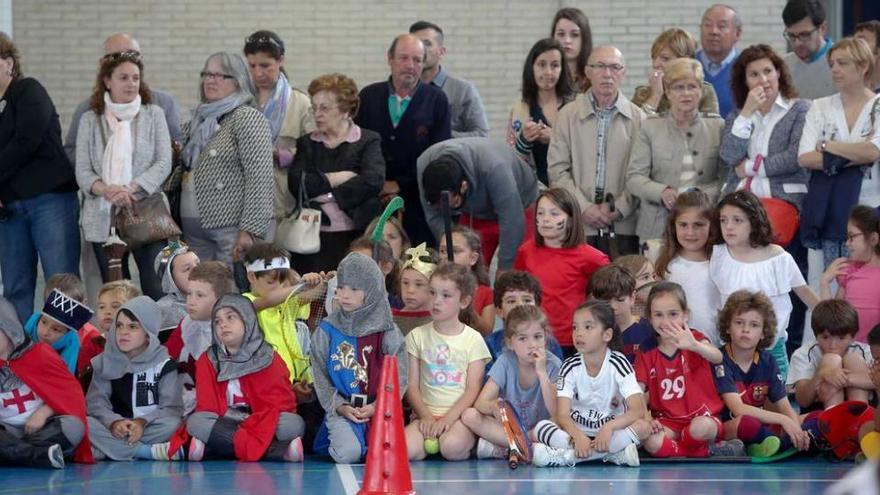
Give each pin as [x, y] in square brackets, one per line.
[720, 29]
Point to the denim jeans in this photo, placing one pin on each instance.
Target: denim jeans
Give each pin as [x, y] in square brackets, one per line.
[45, 226]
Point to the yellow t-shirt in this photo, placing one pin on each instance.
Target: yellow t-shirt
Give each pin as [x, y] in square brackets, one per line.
[443, 363]
[282, 335]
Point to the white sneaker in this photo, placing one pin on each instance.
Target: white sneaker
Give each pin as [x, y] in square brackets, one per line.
[546, 456]
[196, 450]
[294, 451]
[56, 456]
[488, 450]
[626, 457]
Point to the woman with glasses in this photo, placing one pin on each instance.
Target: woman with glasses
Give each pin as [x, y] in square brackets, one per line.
[286, 109]
[123, 154]
[671, 44]
[674, 152]
[38, 204]
[546, 87]
[226, 193]
[840, 145]
[340, 165]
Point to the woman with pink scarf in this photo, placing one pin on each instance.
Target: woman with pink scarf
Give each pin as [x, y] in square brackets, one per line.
[123, 154]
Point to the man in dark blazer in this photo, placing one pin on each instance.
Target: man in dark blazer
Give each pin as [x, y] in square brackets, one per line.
[410, 116]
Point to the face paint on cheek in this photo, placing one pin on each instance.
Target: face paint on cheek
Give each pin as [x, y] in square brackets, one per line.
[560, 226]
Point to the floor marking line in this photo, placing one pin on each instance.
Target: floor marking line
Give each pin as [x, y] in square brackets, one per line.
[349, 481]
[631, 480]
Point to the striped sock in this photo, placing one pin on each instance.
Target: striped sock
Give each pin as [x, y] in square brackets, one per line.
[549, 434]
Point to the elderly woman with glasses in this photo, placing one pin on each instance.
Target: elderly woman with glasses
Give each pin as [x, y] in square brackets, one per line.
[676, 151]
[226, 193]
[285, 107]
[123, 154]
[338, 169]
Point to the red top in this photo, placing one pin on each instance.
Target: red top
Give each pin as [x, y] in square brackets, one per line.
[483, 297]
[564, 274]
[43, 371]
[679, 386]
[267, 392]
[174, 344]
[91, 343]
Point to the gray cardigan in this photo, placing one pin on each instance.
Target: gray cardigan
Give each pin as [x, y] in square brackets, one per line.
[151, 162]
[781, 162]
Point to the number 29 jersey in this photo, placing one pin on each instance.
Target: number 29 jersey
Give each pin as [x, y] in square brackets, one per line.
[679, 387]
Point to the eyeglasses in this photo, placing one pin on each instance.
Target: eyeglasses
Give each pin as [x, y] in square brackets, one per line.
[127, 55]
[684, 88]
[215, 76]
[615, 68]
[323, 109]
[850, 237]
[799, 37]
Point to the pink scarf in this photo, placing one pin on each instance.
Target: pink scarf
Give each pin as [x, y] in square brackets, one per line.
[116, 165]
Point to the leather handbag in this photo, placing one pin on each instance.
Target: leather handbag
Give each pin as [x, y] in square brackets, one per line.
[300, 232]
[784, 217]
[145, 222]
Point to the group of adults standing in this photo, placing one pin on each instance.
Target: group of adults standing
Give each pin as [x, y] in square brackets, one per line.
[715, 119]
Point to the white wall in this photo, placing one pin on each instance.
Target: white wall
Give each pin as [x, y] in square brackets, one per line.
[487, 40]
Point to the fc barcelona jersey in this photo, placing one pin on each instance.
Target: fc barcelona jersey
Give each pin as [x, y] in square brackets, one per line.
[760, 382]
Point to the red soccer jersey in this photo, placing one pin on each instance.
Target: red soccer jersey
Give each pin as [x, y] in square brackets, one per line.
[564, 274]
[680, 386]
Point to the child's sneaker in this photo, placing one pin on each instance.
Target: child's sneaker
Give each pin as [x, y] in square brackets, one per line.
[488, 450]
[196, 450]
[626, 457]
[294, 451]
[56, 456]
[159, 452]
[545, 456]
[766, 448]
[728, 448]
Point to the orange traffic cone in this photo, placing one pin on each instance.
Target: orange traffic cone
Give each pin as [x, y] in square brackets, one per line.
[387, 471]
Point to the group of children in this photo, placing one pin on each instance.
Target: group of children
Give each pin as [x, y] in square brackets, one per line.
[683, 358]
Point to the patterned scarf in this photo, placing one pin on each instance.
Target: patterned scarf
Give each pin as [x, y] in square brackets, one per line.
[276, 106]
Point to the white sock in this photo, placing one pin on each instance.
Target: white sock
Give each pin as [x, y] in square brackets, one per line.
[620, 439]
[548, 433]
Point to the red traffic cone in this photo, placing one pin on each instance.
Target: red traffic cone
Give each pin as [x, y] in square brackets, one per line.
[387, 471]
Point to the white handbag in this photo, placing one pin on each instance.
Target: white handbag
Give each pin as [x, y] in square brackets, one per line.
[300, 233]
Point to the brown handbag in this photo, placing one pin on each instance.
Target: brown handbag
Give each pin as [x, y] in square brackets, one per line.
[145, 222]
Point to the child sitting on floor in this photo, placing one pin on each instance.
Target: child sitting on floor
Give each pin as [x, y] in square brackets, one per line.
[134, 400]
[748, 378]
[347, 352]
[245, 408]
[43, 413]
[600, 409]
[447, 359]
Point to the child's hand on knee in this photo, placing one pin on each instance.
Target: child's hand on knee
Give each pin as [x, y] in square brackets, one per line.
[119, 428]
[836, 377]
[136, 430]
[348, 412]
[34, 424]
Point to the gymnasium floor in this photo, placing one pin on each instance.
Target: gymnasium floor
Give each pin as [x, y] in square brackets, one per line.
[800, 477]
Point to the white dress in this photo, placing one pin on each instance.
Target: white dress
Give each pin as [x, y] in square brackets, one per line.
[703, 298]
[775, 277]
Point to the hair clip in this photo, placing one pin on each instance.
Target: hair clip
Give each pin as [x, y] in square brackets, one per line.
[132, 55]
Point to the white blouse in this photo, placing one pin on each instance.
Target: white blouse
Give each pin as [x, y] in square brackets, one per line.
[775, 277]
[826, 120]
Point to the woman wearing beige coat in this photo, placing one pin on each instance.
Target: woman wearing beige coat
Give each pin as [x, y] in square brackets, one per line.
[675, 152]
